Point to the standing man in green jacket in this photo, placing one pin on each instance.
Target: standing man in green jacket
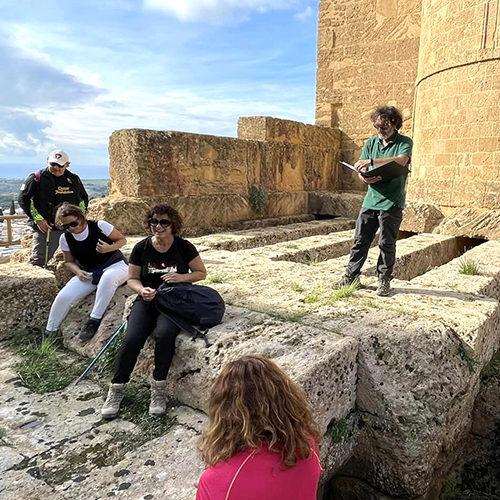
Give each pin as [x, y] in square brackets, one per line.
[41, 194]
[384, 201]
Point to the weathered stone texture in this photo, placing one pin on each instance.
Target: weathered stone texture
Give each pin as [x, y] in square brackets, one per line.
[266, 128]
[27, 293]
[367, 55]
[148, 164]
[457, 119]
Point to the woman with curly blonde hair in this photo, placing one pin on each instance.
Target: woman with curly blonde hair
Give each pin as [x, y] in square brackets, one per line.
[261, 442]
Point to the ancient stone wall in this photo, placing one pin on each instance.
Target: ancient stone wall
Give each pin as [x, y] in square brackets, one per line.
[367, 56]
[210, 179]
[456, 160]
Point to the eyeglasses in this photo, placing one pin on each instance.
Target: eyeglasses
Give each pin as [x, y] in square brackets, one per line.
[73, 224]
[163, 222]
[57, 165]
[382, 127]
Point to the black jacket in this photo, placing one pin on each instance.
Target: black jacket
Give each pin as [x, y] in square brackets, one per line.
[48, 191]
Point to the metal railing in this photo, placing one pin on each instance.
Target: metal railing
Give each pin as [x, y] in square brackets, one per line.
[9, 219]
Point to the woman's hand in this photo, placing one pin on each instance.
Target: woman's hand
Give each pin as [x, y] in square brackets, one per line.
[103, 247]
[173, 278]
[148, 294]
[82, 275]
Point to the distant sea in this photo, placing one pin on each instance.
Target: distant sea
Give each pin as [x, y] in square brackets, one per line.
[22, 170]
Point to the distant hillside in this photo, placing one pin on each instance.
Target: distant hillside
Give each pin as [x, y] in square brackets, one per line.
[9, 190]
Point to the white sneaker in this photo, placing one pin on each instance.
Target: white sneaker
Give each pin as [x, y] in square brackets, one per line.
[158, 404]
[112, 404]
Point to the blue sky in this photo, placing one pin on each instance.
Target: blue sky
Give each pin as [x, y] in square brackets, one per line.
[75, 70]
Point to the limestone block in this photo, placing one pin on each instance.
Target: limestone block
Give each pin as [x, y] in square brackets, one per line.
[474, 223]
[266, 128]
[420, 218]
[167, 467]
[146, 163]
[323, 365]
[29, 292]
[335, 204]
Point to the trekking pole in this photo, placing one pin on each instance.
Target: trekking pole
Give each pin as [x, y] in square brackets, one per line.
[102, 351]
[47, 245]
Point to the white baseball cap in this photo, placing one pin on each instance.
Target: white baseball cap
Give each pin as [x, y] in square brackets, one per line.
[58, 156]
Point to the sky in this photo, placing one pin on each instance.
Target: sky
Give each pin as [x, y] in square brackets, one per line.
[73, 71]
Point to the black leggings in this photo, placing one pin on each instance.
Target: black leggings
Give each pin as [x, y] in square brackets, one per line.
[144, 320]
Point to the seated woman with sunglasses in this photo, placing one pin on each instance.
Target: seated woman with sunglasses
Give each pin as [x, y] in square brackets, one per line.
[261, 438]
[163, 257]
[91, 252]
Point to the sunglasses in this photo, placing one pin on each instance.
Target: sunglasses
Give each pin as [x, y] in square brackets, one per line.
[381, 127]
[70, 224]
[57, 165]
[163, 222]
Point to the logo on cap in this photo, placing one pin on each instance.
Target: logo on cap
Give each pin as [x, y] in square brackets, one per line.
[58, 155]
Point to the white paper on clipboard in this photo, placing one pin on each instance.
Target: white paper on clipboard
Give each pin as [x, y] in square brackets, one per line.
[348, 165]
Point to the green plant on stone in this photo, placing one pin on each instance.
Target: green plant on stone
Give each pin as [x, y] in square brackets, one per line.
[492, 368]
[345, 291]
[216, 278]
[41, 370]
[337, 429]
[296, 287]
[311, 297]
[450, 489]
[468, 266]
[292, 246]
[372, 304]
[258, 199]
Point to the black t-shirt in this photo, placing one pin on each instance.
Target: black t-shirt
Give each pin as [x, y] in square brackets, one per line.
[154, 264]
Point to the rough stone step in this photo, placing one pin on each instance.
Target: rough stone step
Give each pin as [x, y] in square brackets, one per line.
[487, 282]
[415, 255]
[270, 235]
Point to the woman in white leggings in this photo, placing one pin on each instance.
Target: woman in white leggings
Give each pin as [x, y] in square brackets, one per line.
[91, 252]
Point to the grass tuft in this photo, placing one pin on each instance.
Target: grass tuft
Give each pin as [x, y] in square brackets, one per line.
[296, 287]
[468, 266]
[492, 368]
[42, 371]
[345, 291]
[311, 297]
[216, 278]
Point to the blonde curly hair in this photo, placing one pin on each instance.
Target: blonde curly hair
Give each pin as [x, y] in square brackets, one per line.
[252, 401]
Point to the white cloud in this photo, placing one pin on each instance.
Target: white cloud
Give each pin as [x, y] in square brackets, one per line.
[305, 14]
[217, 11]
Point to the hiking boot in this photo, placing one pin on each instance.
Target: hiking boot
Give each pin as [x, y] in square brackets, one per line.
[112, 404]
[384, 286]
[158, 403]
[89, 329]
[346, 280]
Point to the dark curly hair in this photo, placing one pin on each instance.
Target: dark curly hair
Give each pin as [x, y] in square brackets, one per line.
[169, 211]
[390, 114]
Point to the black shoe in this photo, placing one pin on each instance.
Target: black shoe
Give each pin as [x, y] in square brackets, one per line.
[347, 280]
[89, 329]
[384, 286]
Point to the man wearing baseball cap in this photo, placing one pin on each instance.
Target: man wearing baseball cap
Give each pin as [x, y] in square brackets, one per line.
[41, 194]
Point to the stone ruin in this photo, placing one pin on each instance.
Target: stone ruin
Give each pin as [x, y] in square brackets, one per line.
[395, 382]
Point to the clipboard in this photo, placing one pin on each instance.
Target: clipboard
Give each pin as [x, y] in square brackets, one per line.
[388, 171]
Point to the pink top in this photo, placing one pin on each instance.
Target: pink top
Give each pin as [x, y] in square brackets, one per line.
[257, 473]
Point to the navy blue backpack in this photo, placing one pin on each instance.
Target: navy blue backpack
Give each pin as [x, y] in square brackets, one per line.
[194, 308]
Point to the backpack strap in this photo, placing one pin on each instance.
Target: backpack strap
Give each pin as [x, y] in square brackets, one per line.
[195, 331]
